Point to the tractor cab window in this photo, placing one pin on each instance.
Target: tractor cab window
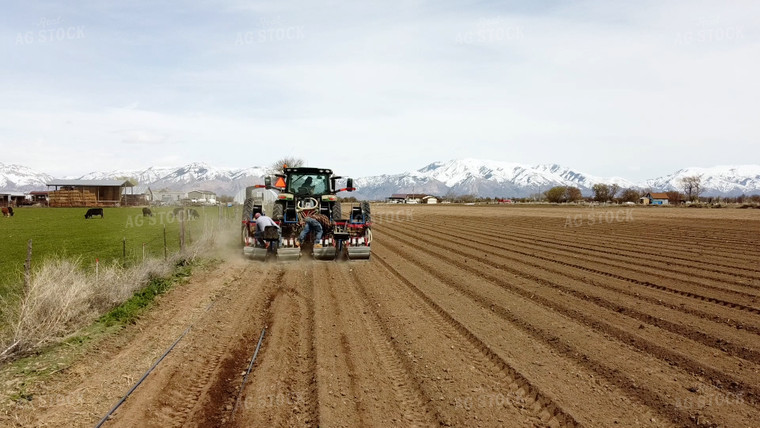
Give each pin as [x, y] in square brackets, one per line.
[308, 184]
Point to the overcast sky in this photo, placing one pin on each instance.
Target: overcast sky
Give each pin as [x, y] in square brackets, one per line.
[626, 88]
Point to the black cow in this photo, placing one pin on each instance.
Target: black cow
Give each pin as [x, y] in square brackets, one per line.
[147, 212]
[177, 210]
[93, 212]
[192, 213]
[8, 212]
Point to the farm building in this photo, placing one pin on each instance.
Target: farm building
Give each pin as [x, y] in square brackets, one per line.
[654, 199]
[139, 195]
[397, 198]
[412, 198]
[87, 193]
[12, 199]
[39, 197]
[168, 197]
[202, 197]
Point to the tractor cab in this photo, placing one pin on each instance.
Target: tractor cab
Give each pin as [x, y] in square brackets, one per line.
[308, 181]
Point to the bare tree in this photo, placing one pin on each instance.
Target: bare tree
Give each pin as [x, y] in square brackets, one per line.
[466, 198]
[556, 194]
[601, 192]
[630, 195]
[697, 186]
[674, 197]
[614, 189]
[573, 194]
[692, 186]
[278, 167]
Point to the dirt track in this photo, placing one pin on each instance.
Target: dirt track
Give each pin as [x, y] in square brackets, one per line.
[465, 316]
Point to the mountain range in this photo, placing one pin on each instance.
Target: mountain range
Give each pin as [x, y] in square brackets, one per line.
[483, 178]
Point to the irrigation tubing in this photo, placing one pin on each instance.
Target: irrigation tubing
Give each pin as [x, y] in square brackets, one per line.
[250, 366]
[123, 399]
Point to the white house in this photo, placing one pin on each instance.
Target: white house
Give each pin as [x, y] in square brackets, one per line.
[168, 197]
[202, 197]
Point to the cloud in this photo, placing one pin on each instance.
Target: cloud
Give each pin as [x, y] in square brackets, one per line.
[386, 87]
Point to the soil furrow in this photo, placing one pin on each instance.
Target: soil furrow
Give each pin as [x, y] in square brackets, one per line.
[604, 370]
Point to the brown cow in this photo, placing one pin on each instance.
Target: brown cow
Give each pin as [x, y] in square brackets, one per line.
[8, 212]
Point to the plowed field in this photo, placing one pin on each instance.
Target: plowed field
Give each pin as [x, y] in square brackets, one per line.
[464, 316]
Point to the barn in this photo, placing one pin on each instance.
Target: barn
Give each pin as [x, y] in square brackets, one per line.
[654, 199]
[87, 193]
[12, 199]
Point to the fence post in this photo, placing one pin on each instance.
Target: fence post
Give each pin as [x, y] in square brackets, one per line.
[124, 250]
[165, 256]
[182, 231]
[28, 268]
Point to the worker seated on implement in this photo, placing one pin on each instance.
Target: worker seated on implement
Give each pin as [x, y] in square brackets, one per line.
[262, 221]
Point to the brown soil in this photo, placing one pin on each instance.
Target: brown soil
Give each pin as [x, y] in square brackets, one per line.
[464, 316]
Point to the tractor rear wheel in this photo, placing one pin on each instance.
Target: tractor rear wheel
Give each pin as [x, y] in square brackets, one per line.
[278, 212]
[247, 209]
[365, 210]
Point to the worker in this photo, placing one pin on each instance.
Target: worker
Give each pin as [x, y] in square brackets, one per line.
[262, 221]
[313, 221]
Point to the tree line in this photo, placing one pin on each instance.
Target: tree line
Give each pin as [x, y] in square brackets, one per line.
[690, 191]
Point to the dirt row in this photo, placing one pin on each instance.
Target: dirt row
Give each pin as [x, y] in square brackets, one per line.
[462, 317]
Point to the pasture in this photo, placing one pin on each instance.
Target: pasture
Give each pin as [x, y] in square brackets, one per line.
[64, 232]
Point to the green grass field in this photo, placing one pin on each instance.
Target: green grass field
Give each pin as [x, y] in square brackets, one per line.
[64, 232]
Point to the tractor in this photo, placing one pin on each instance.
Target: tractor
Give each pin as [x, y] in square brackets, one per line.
[296, 194]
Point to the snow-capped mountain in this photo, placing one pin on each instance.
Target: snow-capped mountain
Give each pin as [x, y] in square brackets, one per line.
[199, 175]
[456, 177]
[193, 176]
[382, 186]
[148, 175]
[716, 181]
[20, 178]
[483, 178]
